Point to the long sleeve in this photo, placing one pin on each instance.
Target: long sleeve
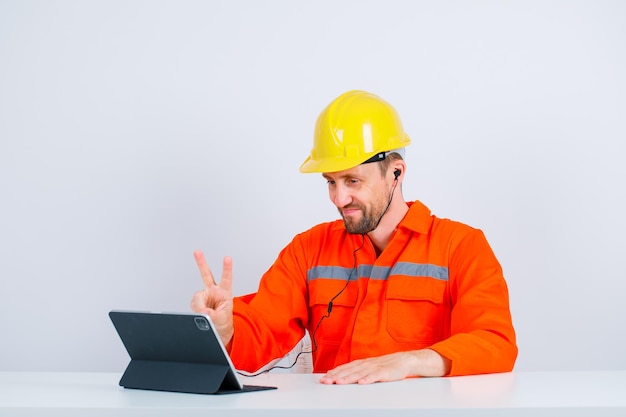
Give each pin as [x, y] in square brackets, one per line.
[482, 337]
[269, 323]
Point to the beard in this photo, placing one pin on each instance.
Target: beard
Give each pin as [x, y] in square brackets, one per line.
[368, 222]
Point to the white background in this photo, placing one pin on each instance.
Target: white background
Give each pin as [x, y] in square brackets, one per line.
[134, 132]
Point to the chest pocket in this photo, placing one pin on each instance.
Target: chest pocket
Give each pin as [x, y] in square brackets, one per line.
[321, 292]
[416, 309]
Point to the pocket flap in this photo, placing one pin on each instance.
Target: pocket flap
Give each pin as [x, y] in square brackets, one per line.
[402, 287]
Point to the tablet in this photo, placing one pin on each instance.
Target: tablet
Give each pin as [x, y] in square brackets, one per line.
[178, 352]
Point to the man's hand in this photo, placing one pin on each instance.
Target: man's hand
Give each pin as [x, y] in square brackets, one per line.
[215, 300]
[392, 367]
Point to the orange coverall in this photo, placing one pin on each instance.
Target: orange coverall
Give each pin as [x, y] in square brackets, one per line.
[436, 285]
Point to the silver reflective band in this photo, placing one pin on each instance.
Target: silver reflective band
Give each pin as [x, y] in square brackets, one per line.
[380, 272]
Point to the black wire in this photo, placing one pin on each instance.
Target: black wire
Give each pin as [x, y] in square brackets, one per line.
[388, 204]
[329, 310]
[330, 303]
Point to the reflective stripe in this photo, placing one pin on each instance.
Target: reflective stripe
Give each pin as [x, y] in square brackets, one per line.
[334, 272]
[420, 270]
[380, 272]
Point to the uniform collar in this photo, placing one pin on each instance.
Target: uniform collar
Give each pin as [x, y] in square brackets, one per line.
[418, 218]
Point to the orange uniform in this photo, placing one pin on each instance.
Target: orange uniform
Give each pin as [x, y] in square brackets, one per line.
[436, 285]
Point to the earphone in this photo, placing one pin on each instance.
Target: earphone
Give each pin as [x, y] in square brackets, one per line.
[396, 173]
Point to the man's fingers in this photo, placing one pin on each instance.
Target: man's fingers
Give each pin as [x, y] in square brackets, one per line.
[226, 282]
[198, 302]
[205, 272]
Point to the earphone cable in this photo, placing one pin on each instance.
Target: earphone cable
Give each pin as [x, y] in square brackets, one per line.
[328, 311]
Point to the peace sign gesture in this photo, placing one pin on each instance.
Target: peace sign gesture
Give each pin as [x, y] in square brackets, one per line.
[216, 300]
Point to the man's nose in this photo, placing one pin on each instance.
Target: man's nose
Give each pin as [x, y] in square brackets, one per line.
[342, 196]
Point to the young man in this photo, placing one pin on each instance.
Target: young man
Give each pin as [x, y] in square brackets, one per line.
[388, 292]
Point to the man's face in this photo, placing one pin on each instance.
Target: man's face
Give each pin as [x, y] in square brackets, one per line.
[361, 195]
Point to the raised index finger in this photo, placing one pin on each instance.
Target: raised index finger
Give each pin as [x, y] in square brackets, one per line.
[205, 272]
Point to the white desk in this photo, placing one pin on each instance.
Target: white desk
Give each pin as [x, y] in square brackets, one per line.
[535, 394]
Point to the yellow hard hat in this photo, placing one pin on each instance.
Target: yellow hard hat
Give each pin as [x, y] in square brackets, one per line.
[355, 127]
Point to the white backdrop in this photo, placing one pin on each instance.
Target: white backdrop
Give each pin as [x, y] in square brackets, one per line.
[133, 132]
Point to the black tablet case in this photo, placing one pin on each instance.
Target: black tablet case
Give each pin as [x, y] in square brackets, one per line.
[176, 352]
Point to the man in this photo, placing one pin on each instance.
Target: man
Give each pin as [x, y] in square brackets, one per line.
[388, 292]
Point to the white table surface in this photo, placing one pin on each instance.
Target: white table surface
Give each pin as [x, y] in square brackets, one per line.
[601, 393]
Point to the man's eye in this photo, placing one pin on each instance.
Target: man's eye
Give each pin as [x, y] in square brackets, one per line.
[330, 182]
